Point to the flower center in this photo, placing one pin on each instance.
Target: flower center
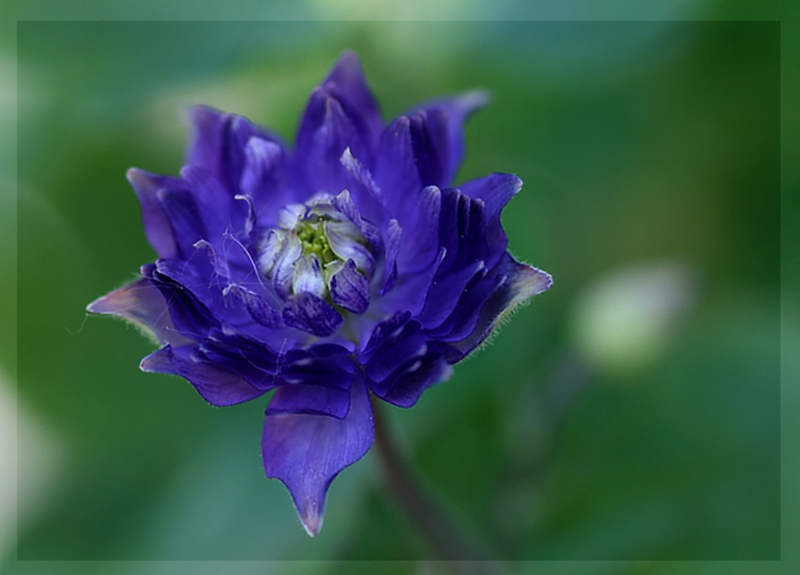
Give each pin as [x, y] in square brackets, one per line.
[312, 238]
[310, 245]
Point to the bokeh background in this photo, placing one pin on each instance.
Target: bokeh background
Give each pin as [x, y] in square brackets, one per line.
[631, 413]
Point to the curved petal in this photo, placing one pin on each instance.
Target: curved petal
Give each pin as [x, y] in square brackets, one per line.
[464, 317]
[264, 178]
[437, 133]
[141, 303]
[462, 231]
[421, 247]
[255, 305]
[396, 167]
[340, 236]
[218, 210]
[394, 350]
[495, 190]
[248, 358]
[218, 142]
[358, 179]
[324, 135]
[157, 227]
[326, 365]
[519, 282]
[191, 317]
[216, 385]
[307, 312]
[310, 400]
[346, 81]
[350, 289]
[393, 233]
[407, 383]
[184, 217]
[443, 297]
[308, 276]
[342, 100]
[306, 452]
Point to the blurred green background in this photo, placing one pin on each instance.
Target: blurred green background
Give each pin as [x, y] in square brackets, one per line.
[631, 413]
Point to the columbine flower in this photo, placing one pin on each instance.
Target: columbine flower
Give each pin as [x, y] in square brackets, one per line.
[342, 268]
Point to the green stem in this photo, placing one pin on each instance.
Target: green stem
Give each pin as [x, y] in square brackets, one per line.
[426, 516]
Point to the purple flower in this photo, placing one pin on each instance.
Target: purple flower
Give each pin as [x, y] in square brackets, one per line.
[338, 269]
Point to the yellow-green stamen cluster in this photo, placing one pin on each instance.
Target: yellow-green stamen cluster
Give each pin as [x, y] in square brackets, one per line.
[312, 238]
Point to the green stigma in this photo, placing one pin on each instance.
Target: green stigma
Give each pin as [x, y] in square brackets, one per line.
[313, 241]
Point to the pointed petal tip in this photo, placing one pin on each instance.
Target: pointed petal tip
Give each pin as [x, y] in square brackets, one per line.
[547, 280]
[533, 281]
[137, 177]
[474, 100]
[347, 66]
[144, 365]
[348, 57]
[197, 113]
[116, 302]
[312, 521]
[153, 363]
[97, 306]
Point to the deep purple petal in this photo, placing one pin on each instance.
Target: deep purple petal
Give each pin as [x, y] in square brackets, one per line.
[155, 220]
[143, 304]
[495, 190]
[396, 167]
[245, 357]
[437, 132]
[400, 347]
[444, 295]
[342, 111]
[207, 141]
[411, 289]
[204, 290]
[309, 313]
[359, 181]
[464, 317]
[321, 366]
[217, 208]
[266, 179]
[520, 283]
[347, 248]
[421, 245]
[344, 203]
[192, 318]
[346, 81]
[310, 400]
[256, 306]
[406, 384]
[261, 159]
[392, 236]
[383, 365]
[218, 144]
[324, 135]
[430, 156]
[306, 452]
[384, 333]
[185, 219]
[350, 289]
[217, 386]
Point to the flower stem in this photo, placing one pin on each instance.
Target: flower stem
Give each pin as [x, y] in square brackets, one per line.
[426, 516]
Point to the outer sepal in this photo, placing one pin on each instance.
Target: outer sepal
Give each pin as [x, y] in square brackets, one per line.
[143, 304]
[518, 283]
[307, 451]
[217, 386]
